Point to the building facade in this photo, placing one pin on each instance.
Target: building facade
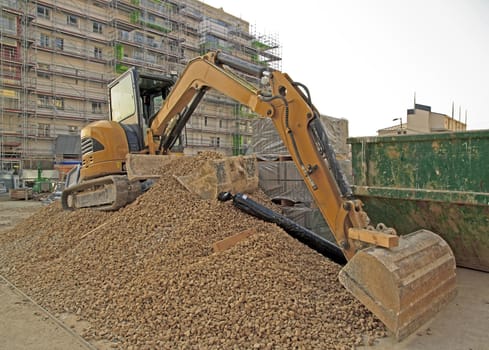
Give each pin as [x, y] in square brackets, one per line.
[421, 120]
[57, 57]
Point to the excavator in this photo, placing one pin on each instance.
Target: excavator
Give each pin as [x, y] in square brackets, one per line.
[403, 280]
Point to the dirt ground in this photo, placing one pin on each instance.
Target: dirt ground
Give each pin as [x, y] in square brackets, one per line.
[23, 324]
[462, 325]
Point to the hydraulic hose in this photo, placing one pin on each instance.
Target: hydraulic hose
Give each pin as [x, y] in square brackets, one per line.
[302, 234]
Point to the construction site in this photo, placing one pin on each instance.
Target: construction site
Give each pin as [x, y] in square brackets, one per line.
[57, 58]
[164, 185]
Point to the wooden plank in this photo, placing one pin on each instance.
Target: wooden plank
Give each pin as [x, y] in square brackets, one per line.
[95, 229]
[375, 237]
[231, 241]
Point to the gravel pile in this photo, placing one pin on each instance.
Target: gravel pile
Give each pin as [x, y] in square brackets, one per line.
[146, 276]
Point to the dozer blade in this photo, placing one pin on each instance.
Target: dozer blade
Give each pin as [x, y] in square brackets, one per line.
[404, 286]
[233, 174]
[105, 193]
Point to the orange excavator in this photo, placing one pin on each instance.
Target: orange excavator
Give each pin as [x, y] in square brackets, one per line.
[403, 280]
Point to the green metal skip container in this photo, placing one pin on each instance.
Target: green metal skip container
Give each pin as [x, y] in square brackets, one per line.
[438, 182]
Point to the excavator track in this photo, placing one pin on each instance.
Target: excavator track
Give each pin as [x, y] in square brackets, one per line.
[403, 286]
[106, 193]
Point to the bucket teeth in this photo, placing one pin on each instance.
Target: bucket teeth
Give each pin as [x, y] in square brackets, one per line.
[404, 286]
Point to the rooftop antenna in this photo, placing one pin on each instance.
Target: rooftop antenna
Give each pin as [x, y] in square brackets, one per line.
[415, 100]
[453, 106]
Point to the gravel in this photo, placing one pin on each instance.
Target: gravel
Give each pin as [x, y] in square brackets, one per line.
[146, 276]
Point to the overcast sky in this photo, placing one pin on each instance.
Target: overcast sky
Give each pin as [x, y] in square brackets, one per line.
[365, 60]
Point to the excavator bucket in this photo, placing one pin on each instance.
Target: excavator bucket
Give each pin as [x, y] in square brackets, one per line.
[207, 180]
[406, 285]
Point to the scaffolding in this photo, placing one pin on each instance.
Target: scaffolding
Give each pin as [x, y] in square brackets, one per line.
[57, 57]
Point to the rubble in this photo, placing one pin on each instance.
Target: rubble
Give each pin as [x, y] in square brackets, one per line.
[146, 276]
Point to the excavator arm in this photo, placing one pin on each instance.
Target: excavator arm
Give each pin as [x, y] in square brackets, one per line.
[288, 105]
[403, 280]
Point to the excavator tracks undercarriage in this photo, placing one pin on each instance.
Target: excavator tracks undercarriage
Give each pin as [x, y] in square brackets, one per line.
[106, 193]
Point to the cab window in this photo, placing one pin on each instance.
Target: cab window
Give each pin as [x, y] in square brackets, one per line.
[123, 101]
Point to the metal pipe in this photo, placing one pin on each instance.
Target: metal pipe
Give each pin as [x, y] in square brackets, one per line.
[239, 64]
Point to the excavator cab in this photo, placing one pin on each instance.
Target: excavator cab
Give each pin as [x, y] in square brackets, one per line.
[134, 100]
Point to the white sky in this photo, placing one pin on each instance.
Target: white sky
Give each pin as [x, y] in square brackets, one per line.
[364, 60]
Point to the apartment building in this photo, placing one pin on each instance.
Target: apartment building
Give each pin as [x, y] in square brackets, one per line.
[57, 57]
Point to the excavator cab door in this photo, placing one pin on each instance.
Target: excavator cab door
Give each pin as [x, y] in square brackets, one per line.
[135, 98]
[125, 108]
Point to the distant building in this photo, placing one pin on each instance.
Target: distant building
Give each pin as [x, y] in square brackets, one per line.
[421, 120]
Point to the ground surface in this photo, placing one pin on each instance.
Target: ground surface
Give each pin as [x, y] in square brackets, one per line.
[23, 324]
[462, 325]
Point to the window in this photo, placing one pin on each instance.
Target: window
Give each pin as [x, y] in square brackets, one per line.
[205, 120]
[43, 129]
[215, 141]
[44, 40]
[123, 35]
[123, 101]
[173, 45]
[97, 52]
[139, 54]
[8, 23]
[43, 75]
[151, 58]
[97, 107]
[72, 20]
[97, 27]
[42, 101]
[220, 123]
[59, 43]
[59, 102]
[138, 37]
[43, 12]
